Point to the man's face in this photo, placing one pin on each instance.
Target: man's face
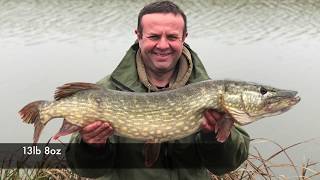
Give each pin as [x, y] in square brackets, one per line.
[161, 41]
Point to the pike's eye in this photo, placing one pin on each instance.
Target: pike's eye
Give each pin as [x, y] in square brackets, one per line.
[263, 90]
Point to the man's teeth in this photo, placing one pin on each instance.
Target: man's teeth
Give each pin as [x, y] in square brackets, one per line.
[162, 54]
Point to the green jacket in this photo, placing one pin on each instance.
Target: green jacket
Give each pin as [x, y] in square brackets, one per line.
[219, 158]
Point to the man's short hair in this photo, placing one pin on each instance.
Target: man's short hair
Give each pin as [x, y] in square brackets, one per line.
[161, 7]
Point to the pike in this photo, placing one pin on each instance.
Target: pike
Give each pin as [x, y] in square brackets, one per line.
[159, 116]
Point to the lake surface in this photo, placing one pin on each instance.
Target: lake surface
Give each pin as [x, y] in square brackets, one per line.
[44, 44]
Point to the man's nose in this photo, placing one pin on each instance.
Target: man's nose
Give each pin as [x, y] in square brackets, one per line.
[163, 43]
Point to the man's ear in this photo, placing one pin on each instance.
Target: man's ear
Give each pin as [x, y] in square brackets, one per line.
[185, 36]
[139, 35]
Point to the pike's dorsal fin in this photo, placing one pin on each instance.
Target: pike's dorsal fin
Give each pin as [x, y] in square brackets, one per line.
[69, 89]
[151, 152]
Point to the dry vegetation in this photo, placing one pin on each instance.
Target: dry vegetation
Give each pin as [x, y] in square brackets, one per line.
[256, 167]
[260, 167]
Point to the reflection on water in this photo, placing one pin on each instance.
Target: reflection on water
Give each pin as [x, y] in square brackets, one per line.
[231, 21]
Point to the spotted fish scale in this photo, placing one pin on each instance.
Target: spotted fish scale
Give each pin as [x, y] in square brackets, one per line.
[142, 116]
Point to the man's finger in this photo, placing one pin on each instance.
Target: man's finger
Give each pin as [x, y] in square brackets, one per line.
[104, 134]
[211, 120]
[206, 127]
[91, 127]
[95, 132]
[96, 141]
[216, 115]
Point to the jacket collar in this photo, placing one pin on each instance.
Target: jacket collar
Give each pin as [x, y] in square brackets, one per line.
[181, 74]
[125, 76]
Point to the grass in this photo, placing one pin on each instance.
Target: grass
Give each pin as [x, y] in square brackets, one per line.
[257, 166]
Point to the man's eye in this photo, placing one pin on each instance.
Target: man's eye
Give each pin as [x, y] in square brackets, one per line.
[172, 38]
[153, 37]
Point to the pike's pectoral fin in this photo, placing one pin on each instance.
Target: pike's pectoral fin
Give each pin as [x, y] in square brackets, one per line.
[67, 128]
[241, 117]
[71, 88]
[223, 128]
[151, 152]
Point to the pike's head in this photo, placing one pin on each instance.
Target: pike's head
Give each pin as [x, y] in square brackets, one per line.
[248, 102]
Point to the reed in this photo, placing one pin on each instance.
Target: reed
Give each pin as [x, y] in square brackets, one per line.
[268, 167]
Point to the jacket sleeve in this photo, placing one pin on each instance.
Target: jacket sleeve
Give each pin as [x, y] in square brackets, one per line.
[88, 161]
[220, 158]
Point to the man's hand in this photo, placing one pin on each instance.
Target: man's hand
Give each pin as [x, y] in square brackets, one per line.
[96, 133]
[219, 123]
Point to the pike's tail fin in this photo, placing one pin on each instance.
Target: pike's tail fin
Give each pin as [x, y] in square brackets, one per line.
[31, 114]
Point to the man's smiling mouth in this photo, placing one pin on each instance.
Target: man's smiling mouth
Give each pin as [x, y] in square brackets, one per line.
[162, 54]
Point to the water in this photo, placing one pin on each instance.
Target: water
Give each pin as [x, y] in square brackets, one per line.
[45, 44]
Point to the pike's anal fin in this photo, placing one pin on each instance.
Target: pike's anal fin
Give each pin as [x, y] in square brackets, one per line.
[151, 152]
[67, 128]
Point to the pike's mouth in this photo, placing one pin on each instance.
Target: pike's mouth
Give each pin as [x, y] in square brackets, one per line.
[295, 100]
[285, 109]
[281, 105]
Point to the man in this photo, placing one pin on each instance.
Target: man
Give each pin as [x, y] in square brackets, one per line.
[159, 60]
